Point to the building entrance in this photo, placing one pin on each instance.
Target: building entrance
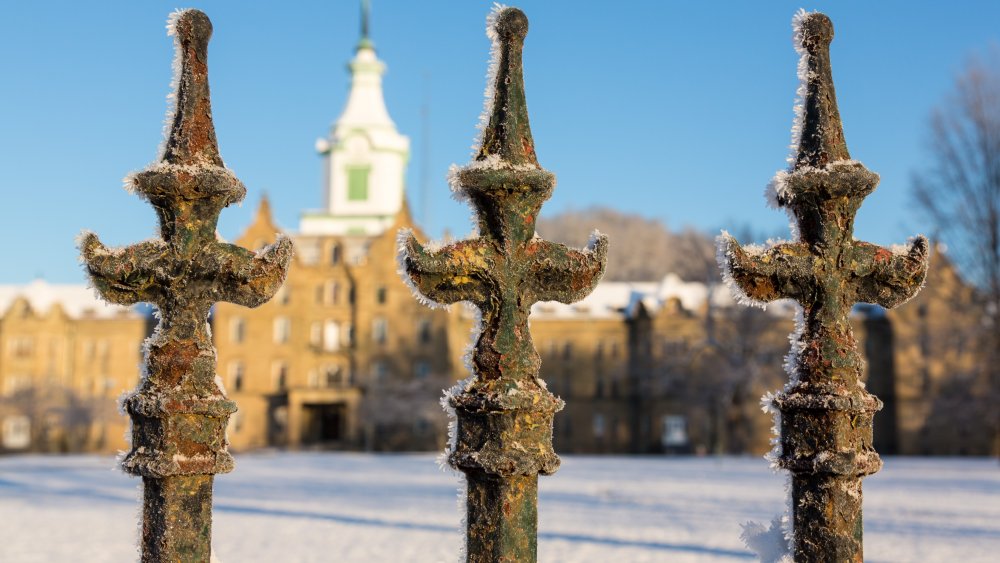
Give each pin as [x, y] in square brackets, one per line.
[323, 423]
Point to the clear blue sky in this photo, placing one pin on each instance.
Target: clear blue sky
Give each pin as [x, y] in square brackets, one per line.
[678, 111]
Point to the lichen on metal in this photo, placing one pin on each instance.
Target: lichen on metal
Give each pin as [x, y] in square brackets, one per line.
[504, 413]
[179, 411]
[825, 413]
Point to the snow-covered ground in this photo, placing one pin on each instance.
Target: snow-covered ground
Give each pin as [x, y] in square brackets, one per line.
[357, 507]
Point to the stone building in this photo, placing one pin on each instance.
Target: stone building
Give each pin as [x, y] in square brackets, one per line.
[337, 358]
[927, 363]
[65, 358]
[344, 356]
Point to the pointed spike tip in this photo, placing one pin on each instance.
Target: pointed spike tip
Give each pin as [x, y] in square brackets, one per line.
[191, 139]
[821, 134]
[506, 133]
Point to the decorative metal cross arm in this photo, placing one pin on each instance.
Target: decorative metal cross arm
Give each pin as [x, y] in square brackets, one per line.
[825, 412]
[504, 413]
[179, 412]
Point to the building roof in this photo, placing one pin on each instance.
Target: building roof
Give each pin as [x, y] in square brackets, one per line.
[615, 299]
[76, 300]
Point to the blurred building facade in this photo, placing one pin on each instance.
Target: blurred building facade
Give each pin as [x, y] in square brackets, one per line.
[65, 358]
[345, 357]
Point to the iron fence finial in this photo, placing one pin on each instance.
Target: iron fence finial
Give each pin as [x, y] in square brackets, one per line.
[180, 411]
[825, 413]
[503, 414]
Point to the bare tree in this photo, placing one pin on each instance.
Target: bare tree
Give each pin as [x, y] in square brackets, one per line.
[959, 191]
[647, 250]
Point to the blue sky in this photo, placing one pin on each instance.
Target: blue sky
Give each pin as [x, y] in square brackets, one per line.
[677, 111]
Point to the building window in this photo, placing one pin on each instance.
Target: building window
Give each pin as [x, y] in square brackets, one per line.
[235, 422]
[16, 432]
[380, 330]
[236, 376]
[15, 383]
[424, 331]
[21, 346]
[380, 295]
[331, 336]
[316, 333]
[674, 431]
[350, 295]
[282, 330]
[380, 371]
[421, 370]
[332, 293]
[349, 335]
[598, 425]
[333, 375]
[237, 330]
[357, 183]
[284, 294]
[279, 371]
[335, 252]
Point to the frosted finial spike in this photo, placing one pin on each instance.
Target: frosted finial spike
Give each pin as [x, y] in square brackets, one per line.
[822, 140]
[192, 132]
[508, 133]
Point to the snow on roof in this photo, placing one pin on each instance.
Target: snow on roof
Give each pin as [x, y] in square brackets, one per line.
[621, 299]
[617, 299]
[77, 301]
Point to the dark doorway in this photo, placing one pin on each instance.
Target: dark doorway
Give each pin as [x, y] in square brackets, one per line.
[323, 423]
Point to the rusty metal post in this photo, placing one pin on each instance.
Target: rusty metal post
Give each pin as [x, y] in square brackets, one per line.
[825, 415]
[179, 412]
[503, 413]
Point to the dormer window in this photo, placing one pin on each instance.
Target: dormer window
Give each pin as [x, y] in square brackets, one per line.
[357, 183]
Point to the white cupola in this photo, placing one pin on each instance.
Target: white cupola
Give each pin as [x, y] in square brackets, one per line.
[364, 157]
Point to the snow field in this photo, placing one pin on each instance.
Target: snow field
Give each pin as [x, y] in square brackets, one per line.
[362, 507]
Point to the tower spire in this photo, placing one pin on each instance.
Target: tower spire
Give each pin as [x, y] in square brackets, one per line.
[365, 42]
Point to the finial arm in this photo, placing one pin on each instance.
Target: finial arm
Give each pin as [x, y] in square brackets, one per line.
[565, 274]
[891, 278]
[124, 275]
[780, 272]
[451, 274]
